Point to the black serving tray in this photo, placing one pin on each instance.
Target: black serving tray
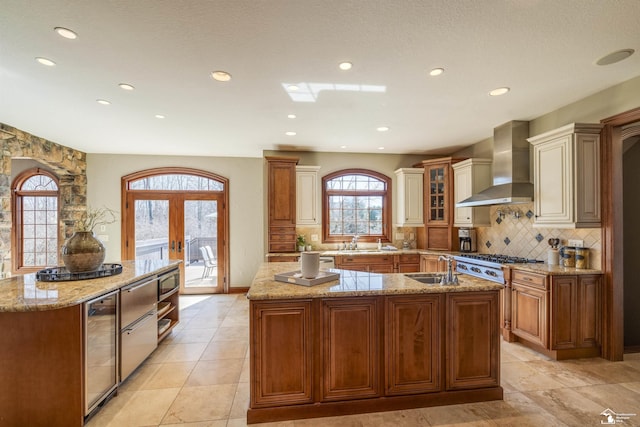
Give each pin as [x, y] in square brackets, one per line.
[61, 274]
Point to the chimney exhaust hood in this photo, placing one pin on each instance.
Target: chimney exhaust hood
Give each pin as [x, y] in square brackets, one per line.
[510, 168]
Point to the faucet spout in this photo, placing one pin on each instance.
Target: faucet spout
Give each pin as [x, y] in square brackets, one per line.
[448, 278]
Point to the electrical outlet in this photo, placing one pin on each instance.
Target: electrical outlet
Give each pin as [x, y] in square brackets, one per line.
[103, 228]
[103, 237]
[412, 236]
[314, 237]
[399, 236]
[577, 243]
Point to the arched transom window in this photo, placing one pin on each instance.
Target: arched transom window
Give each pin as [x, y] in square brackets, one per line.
[356, 202]
[36, 225]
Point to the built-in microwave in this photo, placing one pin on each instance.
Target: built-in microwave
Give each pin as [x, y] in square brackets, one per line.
[168, 282]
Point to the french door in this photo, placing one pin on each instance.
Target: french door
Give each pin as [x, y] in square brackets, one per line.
[189, 225]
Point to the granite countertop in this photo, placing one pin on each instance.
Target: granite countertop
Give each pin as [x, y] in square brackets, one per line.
[557, 270]
[24, 293]
[353, 283]
[366, 252]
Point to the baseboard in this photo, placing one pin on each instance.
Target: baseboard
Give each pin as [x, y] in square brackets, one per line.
[238, 290]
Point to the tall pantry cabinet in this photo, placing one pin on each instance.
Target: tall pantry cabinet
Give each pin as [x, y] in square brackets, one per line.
[281, 178]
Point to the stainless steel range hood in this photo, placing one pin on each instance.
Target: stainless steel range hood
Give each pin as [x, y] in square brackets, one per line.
[510, 168]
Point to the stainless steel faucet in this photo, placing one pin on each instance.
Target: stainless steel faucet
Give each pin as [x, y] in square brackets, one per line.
[448, 278]
[354, 242]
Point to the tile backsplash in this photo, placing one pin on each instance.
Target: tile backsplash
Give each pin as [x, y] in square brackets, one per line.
[510, 235]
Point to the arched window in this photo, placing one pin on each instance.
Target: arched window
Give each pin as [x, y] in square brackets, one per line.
[35, 220]
[356, 202]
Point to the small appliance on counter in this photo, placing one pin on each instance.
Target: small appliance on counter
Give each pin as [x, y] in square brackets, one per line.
[467, 238]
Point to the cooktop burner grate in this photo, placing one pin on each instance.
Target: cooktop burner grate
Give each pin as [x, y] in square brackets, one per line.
[501, 259]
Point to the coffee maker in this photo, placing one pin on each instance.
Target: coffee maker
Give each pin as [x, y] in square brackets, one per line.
[467, 238]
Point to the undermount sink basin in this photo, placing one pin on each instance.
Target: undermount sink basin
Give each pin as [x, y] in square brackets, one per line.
[428, 278]
[358, 251]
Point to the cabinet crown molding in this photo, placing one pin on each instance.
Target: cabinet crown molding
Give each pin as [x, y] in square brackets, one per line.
[593, 128]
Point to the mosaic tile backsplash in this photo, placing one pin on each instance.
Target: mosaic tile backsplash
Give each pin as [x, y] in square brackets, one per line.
[512, 233]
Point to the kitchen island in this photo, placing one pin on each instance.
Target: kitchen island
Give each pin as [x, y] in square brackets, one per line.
[52, 367]
[369, 342]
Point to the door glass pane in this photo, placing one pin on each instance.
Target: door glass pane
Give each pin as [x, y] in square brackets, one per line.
[152, 229]
[201, 243]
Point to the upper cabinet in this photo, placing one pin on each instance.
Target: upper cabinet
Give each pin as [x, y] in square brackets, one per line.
[566, 177]
[439, 232]
[281, 177]
[409, 207]
[307, 195]
[470, 177]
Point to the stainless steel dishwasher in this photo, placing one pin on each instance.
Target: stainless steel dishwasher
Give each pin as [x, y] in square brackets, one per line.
[138, 324]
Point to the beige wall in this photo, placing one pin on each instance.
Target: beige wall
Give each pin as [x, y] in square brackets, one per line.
[245, 203]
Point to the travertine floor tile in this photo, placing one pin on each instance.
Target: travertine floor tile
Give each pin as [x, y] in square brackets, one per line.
[522, 377]
[208, 372]
[225, 350]
[169, 375]
[470, 414]
[138, 408]
[205, 403]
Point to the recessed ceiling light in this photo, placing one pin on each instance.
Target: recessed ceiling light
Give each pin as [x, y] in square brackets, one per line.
[291, 116]
[66, 33]
[293, 88]
[221, 76]
[614, 57]
[382, 128]
[45, 61]
[343, 146]
[436, 72]
[380, 148]
[290, 133]
[499, 91]
[126, 86]
[103, 102]
[345, 66]
[160, 116]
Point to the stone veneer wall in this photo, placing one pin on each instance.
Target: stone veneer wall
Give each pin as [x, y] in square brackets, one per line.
[518, 237]
[67, 164]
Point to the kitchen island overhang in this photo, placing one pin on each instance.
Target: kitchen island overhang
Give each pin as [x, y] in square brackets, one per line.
[368, 343]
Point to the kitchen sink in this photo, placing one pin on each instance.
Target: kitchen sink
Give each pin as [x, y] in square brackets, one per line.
[428, 278]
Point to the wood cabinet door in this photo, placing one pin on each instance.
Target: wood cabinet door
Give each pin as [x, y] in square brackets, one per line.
[281, 353]
[472, 340]
[282, 192]
[564, 314]
[351, 348]
[589, 310]
[553, 176]
[412, 344]
[437, 194]
[529, 313]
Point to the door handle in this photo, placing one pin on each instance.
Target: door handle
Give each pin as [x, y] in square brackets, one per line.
[179, 245]
[173, 245]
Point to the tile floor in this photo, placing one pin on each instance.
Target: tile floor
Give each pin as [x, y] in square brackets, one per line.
[199, 377]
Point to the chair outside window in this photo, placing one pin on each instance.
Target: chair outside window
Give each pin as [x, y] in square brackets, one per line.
[209, 261]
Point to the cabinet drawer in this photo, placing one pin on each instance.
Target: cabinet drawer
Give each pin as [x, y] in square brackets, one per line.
[282, 237]
[368, 259]
[282, 230]
[409, 259]
[137, 342]
[137, 299]
[282, 247]
[530, 279]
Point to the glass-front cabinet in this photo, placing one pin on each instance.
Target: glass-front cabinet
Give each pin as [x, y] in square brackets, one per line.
[437, 198]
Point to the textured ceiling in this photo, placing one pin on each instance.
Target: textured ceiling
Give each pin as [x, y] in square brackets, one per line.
[543, 50]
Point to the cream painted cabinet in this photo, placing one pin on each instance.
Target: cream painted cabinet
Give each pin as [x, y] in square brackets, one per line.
[307, 195]
[409, 207]
[566, 177]
[470, 177]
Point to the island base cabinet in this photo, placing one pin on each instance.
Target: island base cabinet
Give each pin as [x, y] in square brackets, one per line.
[281, 353]
[322, 357]
[350, 348]
[413, 344]
[41, 368]
[473, 346]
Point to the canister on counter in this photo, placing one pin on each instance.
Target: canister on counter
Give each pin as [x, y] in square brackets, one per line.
[568, 256]
[582, 258]
[553, 257]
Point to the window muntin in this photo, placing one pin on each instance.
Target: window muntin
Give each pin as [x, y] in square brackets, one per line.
[37, 225]
[176, 182]
[355, 203]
